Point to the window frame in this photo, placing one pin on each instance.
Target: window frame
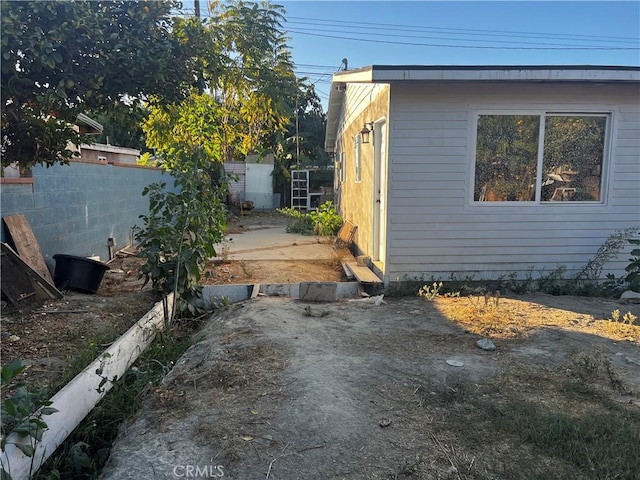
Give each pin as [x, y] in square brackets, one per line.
[339, 166]
[543, 113]
[357, 156]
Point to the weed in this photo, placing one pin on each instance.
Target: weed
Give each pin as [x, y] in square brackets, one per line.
[324, 222]
[430, 292]
[591, 271]
[22, 415]
[224, 250]
[633, 269]
[591, 366]
[85, 452]
[554, 282]
[628, 318]
[246, 269]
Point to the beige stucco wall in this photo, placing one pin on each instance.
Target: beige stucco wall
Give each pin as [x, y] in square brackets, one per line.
[356, 199]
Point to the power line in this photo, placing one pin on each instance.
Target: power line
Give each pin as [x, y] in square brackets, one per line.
[386, 35]
[442, 45]
[314, 66]
[564, 36]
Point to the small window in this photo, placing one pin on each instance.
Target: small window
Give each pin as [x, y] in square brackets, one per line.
[539, 158]
[339, 167]
[357, 144]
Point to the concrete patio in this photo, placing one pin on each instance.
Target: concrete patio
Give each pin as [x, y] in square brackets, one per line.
[274, 243]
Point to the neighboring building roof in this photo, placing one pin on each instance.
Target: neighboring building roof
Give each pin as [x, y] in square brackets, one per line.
[101, 147]
[468, 73]
[88, 125]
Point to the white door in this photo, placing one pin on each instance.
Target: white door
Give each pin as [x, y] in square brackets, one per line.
[380, 192]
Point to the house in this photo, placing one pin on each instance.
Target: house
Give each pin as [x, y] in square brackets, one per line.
[110, 154]
[485, 171]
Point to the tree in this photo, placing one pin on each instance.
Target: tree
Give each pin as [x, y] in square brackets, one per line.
[62, 58]
[303, 142]
[248, 81]
[122, 125]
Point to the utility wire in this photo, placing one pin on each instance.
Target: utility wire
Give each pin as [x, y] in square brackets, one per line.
[537, 44]
[469, 31]
[439, 36]
[442, 45]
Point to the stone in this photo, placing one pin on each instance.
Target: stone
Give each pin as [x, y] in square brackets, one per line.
[486, 344]
[455, 363]
[630, 297]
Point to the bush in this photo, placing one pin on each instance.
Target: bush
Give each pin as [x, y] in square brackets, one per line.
[633, 269]
[182, 228]
[324, 222]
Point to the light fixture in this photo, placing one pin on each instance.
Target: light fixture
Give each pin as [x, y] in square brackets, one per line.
[365, 132]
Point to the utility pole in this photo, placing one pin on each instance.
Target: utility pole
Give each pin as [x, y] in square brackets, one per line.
[196, 7]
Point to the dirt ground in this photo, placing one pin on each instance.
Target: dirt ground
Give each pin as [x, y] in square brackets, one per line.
[55, 337]
[274, 388]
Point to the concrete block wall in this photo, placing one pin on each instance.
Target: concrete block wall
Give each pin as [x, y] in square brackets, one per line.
[76, 208]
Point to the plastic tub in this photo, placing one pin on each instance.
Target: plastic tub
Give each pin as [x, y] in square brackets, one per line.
[78, 273]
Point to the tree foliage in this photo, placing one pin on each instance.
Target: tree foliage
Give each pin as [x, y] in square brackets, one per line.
[62, 58]
[122, 125]
[182, 227]
[246, 82]
[302, 144]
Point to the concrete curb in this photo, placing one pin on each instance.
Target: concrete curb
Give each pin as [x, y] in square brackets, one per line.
[213, 295]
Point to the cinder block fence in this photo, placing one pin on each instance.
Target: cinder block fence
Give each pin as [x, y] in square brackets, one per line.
[75, 209]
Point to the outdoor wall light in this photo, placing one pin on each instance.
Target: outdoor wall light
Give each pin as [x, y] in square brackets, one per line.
[366, 132]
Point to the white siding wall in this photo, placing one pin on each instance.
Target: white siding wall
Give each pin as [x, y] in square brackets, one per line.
[357, 98]
[434, 226]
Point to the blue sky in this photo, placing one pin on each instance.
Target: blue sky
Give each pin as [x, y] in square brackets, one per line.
[518, 32]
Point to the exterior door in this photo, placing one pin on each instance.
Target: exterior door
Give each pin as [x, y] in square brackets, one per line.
[380, 192]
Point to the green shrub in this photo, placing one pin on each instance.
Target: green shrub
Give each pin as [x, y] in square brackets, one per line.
[182, 228]
[633, 269]
[324, 222]
[21, 414]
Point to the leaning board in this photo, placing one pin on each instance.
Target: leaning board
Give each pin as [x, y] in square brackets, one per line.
[26, 244]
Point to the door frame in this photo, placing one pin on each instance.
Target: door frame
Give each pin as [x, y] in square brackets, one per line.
[380, 191]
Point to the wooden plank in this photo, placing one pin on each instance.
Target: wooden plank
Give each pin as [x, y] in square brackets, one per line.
[27, 245]
[363, 274]
[346, 234]
[347, 272]
[40, 281]
[15, 283]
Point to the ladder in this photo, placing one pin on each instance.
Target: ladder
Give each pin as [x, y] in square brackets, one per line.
[300, 189]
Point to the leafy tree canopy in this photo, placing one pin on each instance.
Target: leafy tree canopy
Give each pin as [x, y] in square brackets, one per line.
[249, 85]
[62, 58]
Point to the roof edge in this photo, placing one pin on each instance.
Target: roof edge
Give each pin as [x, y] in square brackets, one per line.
[535, 73]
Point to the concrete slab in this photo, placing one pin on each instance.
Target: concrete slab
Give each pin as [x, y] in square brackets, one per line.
[318, 291]
[274, 243]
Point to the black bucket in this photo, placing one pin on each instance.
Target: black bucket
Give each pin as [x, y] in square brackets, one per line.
[78, 273]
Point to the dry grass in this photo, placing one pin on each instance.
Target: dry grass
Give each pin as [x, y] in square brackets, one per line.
[510, 318]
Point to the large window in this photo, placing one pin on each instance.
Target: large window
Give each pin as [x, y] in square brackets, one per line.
[539, 158]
